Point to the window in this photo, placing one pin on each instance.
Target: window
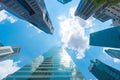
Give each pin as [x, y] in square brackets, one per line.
[26, 6]
[46, 17]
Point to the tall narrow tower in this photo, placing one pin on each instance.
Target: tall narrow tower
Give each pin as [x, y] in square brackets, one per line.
[87, 8]
[53, 65]
[33, 11]
[103, 72]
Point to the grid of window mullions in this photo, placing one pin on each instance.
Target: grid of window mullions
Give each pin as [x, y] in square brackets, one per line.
[10, 4]
[5, 50]
[46, 65]
[47, 76]
[115, 11]
[53, 71]
[15, 7]
[88, 5]
[34, 5]
[81, 7]
[98, 15]
[57, 60]
[116, 8]
[90, 10]
[103, 17]
[27, 7]
[24, 73]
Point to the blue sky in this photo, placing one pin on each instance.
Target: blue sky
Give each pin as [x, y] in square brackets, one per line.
[72, 33]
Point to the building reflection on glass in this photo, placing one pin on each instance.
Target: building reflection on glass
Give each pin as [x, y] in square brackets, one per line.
[55, 64]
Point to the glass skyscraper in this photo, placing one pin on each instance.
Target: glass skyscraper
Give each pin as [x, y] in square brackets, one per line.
[106, 38]
[7, 52]
[113, 53]
[87, 8]
[103, 72]
[33, 11]
[55, 64]
[101, 10]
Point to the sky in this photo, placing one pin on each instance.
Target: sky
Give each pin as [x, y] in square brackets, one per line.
[71, 32]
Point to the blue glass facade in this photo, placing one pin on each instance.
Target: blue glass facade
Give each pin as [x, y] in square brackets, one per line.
[26, 6]
[85, 9]
[53, 65]
[106, 38]
[103, 72]
[33, 11]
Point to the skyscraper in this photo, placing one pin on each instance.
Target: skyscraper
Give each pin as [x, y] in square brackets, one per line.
[87, 8]
[107, 12]
[100, 10]
[33, 11]
[113, 11]
[103, 72]
[100, 15]
[113, 53]
[64, 1]
[116, 22]
[106, 38]
[53, 65]
[7, 52]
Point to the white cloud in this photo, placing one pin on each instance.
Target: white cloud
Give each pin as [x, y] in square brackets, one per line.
[12, 19]
[72, 31]
[4, 16]
[116, 60]
[7, 67]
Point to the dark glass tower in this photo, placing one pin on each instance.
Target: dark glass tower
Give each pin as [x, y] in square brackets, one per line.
[113, 53]
[103, 72]
[87, 8]
[53, 65]
[33, 11]
[106, 38]
[7, 52]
